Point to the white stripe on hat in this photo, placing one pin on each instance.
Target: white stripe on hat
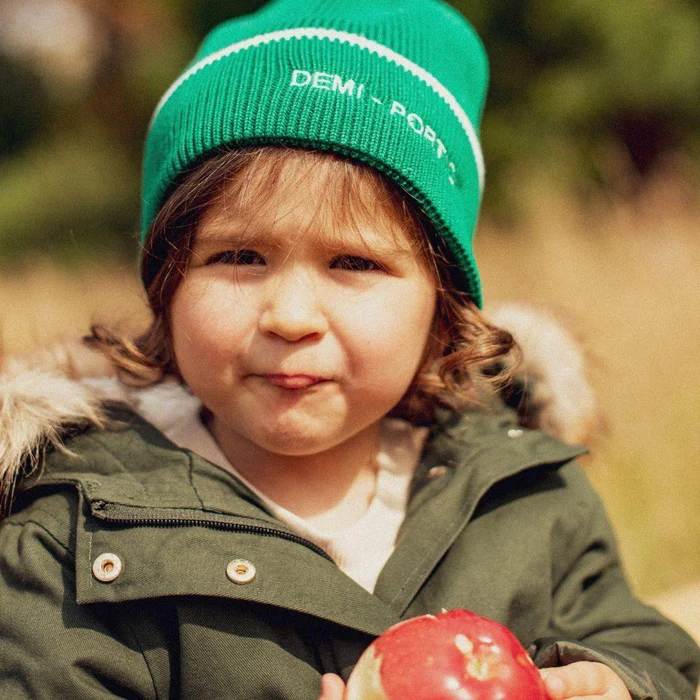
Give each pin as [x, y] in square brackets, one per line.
[355, 40]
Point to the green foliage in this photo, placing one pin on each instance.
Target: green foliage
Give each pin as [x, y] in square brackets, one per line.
[24, 106]
[571, 80]
[73, 195]
[203, 16]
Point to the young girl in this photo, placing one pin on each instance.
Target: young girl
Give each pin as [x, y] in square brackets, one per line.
[301, 450]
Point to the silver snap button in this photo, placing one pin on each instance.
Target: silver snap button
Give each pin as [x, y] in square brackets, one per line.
[240, 571]
[107, 567]
[515, 433]
[437, 472]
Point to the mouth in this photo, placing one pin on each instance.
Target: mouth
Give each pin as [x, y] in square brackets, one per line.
[293, 381]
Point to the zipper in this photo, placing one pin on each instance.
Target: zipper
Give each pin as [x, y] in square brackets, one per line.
[114, 514]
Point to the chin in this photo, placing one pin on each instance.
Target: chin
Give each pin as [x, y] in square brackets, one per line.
[296, 431]
[293, 442]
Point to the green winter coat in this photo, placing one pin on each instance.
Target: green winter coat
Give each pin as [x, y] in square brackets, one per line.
[500, 521]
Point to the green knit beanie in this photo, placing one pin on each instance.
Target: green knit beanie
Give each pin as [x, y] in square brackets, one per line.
[396, 84]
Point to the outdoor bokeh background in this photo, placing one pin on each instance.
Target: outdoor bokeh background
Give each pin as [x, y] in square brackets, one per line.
[592, 143]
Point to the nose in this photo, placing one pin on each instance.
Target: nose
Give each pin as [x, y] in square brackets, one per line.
[293, 307]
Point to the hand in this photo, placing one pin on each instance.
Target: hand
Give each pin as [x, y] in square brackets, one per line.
[583, 680]
[332, 687]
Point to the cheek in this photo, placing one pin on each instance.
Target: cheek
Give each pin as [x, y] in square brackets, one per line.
[204, 326]
[392, 330]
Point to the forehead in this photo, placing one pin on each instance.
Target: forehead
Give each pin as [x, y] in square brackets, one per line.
[296, 195]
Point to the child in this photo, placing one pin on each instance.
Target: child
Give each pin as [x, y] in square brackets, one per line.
[300, 452]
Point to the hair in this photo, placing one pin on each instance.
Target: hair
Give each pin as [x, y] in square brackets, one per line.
[462, 338]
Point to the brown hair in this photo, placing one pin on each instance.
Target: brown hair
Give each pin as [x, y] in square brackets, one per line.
[462, 339]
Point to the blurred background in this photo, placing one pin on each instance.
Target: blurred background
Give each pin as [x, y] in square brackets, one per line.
[592, 211]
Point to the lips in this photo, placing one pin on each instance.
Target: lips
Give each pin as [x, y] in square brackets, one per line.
[293, 381]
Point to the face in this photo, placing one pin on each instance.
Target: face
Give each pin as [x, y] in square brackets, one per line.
[295, 331]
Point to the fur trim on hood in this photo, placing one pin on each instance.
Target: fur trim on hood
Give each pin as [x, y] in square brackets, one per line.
[65, 385]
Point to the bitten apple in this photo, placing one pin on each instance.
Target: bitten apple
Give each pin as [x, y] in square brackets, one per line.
[457, 655]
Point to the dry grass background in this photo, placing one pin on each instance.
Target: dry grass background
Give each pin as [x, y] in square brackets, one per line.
[627, 281]
[624, 278]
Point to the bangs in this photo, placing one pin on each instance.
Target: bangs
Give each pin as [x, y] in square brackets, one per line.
[349, 202]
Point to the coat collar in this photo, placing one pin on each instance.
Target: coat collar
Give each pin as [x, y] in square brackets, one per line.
[469, 455]
[134, 465]
[176, 520]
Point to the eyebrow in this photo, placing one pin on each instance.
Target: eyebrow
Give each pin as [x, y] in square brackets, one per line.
[217, 236]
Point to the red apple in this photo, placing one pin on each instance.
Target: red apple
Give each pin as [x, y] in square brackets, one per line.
[457, 655]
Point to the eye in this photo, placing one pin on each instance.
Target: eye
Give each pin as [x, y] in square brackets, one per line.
[355, 263]
[237, 257]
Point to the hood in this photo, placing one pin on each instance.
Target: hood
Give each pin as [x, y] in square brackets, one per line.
[66, 385]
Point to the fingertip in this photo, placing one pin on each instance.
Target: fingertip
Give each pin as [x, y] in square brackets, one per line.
[331, 682]
[556, 687]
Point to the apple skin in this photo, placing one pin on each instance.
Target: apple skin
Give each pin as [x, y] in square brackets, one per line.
[457, 655]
